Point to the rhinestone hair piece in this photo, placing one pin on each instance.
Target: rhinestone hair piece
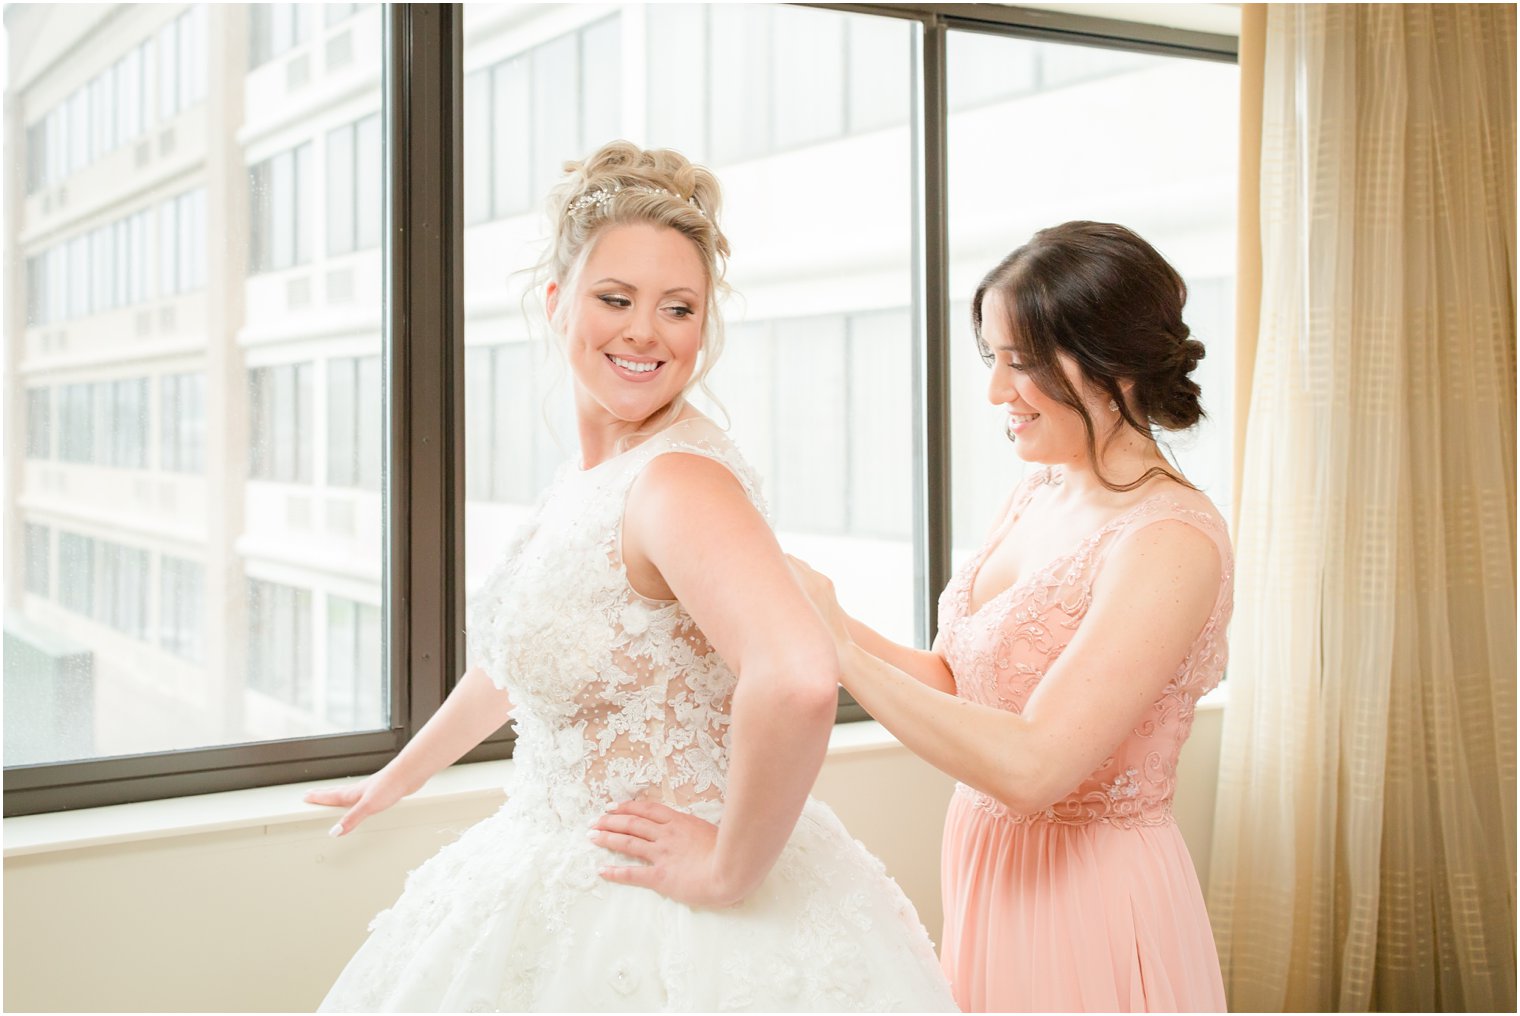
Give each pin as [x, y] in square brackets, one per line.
[600, 198]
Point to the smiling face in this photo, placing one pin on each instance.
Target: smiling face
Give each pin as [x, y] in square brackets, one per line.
[1044, 430]
[632, 319]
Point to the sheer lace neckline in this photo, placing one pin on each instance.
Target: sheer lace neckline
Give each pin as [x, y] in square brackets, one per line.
[1047, 478]
[581, 470]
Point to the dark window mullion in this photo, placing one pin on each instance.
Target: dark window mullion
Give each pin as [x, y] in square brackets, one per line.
[425, 299]
[931, 373]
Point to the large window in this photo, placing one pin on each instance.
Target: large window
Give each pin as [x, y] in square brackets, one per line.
[233, 306]
[202, 424]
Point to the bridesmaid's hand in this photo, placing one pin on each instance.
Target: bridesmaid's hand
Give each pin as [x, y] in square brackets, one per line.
[679, 851]
[821, 591]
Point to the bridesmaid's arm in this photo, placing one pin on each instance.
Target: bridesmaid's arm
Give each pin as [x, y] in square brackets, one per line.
[1151, 600]
[928, 668]
[690, 529]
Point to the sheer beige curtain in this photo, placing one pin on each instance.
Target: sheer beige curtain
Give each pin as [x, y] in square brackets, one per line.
[1364, 852]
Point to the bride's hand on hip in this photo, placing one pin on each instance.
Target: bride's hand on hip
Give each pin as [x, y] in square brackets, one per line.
[679, 851]
[820, 589]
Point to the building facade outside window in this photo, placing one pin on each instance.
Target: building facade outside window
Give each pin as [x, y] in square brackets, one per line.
[39, 560]
[39, 423]
[182, 422]
[279, 642]
[279, 192]
[281, 404]
[182, 608]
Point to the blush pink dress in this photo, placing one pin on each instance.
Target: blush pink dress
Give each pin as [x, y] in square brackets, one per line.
[1093, 903]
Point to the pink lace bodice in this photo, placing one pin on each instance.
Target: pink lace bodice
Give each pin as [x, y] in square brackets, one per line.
[1000, 652]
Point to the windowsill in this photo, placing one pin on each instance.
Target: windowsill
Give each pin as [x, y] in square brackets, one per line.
[270, 806]
[279, 805]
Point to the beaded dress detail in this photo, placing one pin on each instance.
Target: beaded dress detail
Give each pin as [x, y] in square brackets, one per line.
[1093, 902]
[619, 697]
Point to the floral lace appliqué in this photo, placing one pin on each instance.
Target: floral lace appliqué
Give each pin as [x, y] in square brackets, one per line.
[1001, 652]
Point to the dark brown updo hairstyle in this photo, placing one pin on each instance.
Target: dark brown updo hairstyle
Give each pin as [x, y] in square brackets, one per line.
[1100, 294]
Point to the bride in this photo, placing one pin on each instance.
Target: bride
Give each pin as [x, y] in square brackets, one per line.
[671, 687]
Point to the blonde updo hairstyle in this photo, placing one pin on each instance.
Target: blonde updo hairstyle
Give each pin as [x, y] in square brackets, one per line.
[621, 184]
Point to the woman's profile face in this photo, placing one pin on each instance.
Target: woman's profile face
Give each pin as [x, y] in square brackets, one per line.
[1044, 430]
[632, 320]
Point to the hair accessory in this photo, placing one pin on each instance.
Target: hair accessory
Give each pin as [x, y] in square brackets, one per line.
[600, 198]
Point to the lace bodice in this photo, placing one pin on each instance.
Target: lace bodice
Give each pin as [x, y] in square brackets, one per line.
[616, 696]
[1000, 653]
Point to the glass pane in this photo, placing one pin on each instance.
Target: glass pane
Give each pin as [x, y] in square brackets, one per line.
[340, 190]
[808, 76]
[816, 375]
[181, 533]
[510, 178]
[369, 175]
[878, 92]
[601, 83]
[739, 107]
[477, 148]
[1156, 153]
[556, 102]
[676, 89]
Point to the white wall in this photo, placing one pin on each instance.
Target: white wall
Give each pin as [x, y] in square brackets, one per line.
[240, 902]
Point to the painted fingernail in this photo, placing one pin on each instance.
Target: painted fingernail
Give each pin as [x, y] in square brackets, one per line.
[336, 830]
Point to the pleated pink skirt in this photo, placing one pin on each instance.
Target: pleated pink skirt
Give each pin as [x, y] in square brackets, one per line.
[1041, 916]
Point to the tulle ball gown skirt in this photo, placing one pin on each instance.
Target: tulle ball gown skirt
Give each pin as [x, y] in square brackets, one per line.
[514, 917]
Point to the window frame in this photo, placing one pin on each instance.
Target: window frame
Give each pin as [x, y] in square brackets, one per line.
[423, 221]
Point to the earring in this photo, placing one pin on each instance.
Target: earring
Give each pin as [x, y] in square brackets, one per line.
[1113, 407]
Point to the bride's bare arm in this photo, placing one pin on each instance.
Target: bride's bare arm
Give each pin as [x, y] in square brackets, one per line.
[689, 527]
[474, 710]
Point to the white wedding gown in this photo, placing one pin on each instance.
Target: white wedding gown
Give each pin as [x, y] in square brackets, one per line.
[619, 697]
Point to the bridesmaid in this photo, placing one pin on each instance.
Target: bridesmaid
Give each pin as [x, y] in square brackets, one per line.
[1072, 648]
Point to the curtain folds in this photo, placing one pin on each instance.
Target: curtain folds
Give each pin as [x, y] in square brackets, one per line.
[1364, 848]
